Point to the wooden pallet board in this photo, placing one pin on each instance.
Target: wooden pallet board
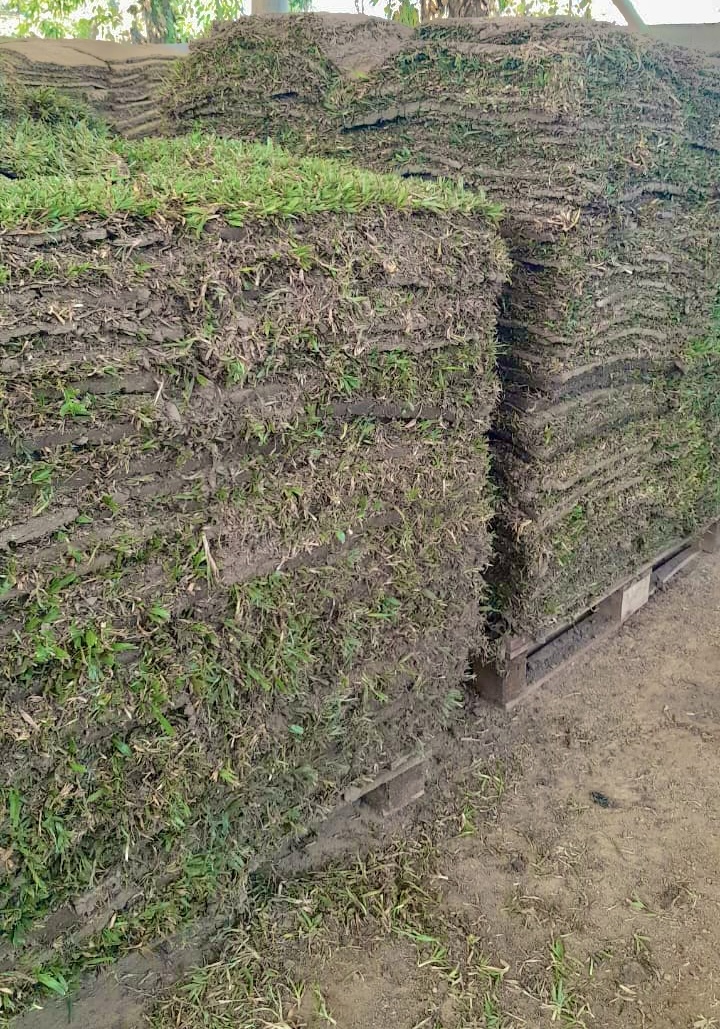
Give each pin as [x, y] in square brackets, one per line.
[526, 665]
[399, 785]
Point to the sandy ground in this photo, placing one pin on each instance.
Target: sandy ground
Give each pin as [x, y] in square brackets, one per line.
[599, 872]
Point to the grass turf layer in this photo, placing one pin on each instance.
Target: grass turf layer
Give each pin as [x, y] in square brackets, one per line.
[193, 180]
[602, 148]
[245, 523]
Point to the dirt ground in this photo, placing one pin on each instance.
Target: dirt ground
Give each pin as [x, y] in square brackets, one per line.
[594, 886]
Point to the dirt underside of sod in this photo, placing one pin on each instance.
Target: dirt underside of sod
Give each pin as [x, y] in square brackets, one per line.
[602, 148]
[119, 81]
[243, 523]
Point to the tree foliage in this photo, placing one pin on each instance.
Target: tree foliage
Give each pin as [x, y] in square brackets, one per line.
[412, 13]
[155, 21]
[175, 21]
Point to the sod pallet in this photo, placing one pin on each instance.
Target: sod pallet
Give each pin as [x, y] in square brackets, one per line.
[602, 148]
[283, 72]
[525, 665]
[118, 81]
[243, 523]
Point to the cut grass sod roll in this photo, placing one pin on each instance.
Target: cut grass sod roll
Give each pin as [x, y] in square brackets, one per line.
[243, 517]
[602, 148]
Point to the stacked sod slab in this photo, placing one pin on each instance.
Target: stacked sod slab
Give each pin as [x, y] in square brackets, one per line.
[243, 520]
[118, 81]
[603, 149]
[277, 77]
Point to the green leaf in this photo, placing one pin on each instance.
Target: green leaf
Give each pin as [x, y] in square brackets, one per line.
[164, 723]
[41, 474]
[72, 407]
[15, 805]
[159, 614]
[57, 983]
[7, 582]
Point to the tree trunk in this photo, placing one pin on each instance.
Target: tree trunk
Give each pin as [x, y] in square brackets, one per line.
[159, 18]
[269, 6]
[627, 10]
[431, 9]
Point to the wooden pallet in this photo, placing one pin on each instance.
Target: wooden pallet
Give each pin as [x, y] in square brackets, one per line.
[528, 664]
[402, 783]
